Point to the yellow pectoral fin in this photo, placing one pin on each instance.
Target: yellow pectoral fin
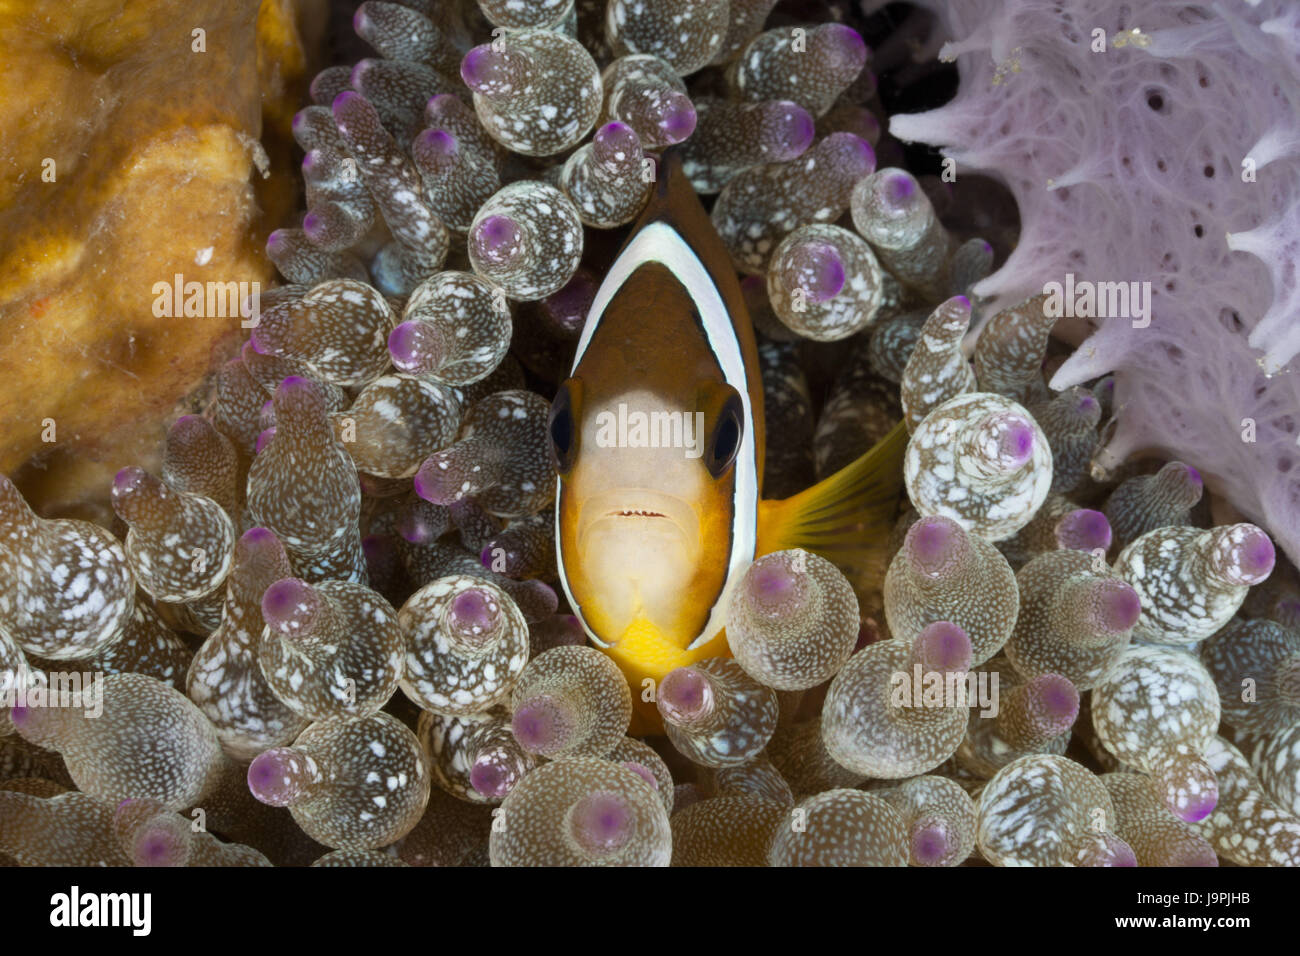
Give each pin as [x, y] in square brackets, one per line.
[644, 652]
[847, 518]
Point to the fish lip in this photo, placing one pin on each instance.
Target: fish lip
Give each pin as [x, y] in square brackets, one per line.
[639, 503]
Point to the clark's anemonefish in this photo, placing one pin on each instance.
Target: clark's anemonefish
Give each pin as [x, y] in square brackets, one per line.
[657, 437]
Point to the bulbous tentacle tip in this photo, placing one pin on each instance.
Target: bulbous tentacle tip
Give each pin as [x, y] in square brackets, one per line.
[616, 148]
[1243, 554]
[1121, 855]
[490, 778]
[473, 613]
[1059, 696]
[897, 191]
[438, 140]
[259, 538]
[942, 647]
[796, 129]
[932, 841]
[855, 155]
[346, 102]
[135, 494]
[845, 42]
[273, 776]
[129, 481]
[264, 438]
[678, 118]
[497, 239]
[1259, 555]
[931, 543]
[157, 844]
[433, 148]
[1015, 441]
[1118, 605]
[359, 71]
[278, 242]
[481, 67]
[540, 724]
[1196, 808]
[20, 716]
[313, 225]
[772, 584]
[290, 605]
[601, 823]
[414, 345]
[1055, 703]
[428, 485]
[1083, 530]
[327, 84]
[822, 267]
[684, 695]
[298, 398]
[616, 134]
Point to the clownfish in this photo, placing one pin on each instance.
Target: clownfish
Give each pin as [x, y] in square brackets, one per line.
[657, 438]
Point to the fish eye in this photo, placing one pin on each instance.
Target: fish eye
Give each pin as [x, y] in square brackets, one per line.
[724, 443]
[562, 429]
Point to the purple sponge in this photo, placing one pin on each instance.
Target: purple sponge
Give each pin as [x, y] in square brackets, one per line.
[1136, 164]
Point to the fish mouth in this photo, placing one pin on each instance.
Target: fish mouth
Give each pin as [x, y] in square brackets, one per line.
[632, 507]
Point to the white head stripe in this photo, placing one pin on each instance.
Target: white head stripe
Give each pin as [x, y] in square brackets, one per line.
[660, 242]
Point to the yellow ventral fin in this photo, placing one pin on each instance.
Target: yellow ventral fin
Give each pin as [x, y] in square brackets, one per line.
[847, 518]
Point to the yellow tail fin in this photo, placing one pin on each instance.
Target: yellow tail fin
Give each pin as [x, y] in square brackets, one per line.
[847, 518]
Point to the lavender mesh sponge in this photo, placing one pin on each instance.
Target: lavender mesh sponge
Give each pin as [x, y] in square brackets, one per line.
[1135, 164]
